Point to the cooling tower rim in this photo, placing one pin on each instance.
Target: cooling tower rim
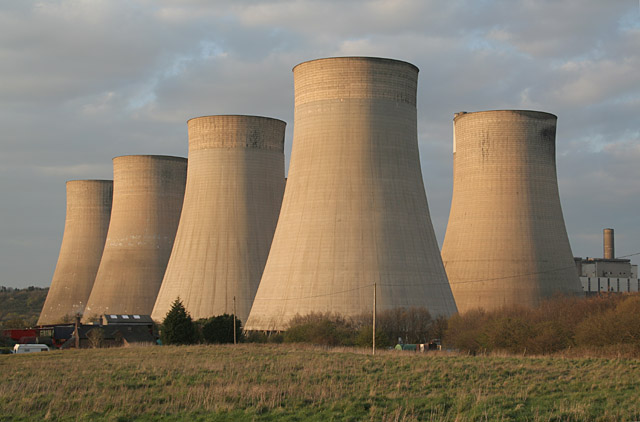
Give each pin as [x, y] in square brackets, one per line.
[159, 157]
[530, 113]
[89, 180]
[237, 115]
[379, 59]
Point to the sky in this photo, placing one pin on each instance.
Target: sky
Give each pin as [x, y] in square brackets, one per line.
[83, 81]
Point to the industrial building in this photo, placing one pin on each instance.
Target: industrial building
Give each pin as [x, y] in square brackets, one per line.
[148, 191]
[235, 184]
[354, 214]
[85, 232]
[607, 274]
[506, 242]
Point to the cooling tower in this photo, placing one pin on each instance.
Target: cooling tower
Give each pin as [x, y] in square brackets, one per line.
[608, 244]
[354, 211]
[235, 184]
[85, 231]
[506, 242]
[148, 191]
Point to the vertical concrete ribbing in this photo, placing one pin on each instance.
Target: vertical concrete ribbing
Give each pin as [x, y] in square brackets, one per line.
[85, 231]
[506, 241]
[148, 191]
[235, 184]
[355, 210]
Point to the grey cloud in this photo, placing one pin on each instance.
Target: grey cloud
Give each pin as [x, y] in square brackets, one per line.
[86, 81]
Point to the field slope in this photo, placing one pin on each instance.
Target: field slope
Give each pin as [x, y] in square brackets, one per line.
[285, 382]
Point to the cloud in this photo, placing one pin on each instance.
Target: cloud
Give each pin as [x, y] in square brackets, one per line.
[84, 81]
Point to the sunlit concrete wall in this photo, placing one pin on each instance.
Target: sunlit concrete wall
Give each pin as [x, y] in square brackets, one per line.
[235, 184]
[85, 232]
[354, 211]
[148, 191]
[506, 242]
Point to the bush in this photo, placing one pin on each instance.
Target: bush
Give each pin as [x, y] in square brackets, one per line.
[409, 325]
[556, 325]
[413, 325]
[364, 337]
[178, 327]
[466, 331]
[323, 329]
[619, 325]
[219, 329]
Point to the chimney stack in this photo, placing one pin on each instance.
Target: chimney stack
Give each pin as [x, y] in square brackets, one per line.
[609, 245]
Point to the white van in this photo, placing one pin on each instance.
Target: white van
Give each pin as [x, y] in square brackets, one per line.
[29, 348]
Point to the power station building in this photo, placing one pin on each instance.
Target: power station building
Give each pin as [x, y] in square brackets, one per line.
[148, 191]
[235, 184]
[506, 241]
[354, 212]
[85, 232]
[607, 274]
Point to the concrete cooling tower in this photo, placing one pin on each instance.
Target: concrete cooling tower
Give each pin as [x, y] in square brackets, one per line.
[148, 191]
[235, 184]
[85, 232]
[354, 211]
[506, 242]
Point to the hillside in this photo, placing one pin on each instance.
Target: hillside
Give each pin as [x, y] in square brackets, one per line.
[287, 383]
[21, 307]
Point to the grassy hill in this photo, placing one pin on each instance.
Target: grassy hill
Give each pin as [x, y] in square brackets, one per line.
[291, 383]
[21, 306]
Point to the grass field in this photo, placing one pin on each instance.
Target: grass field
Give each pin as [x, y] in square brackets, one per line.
[287, 382]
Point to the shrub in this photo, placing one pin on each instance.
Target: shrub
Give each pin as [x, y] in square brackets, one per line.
[323, 329]
[619, 325]
[411, 325]
[508, 333]
[465, 331]
[556, 325]
[219, 329]
[364, 337]
[178, 327]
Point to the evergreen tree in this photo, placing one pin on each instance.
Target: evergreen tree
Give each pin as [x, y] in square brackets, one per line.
[178, 327]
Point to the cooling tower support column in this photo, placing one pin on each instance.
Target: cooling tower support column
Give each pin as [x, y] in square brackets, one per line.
[148, 191]
[85, 231]
[609, 244]
[354, 211]
[235, 184]
[506, 242]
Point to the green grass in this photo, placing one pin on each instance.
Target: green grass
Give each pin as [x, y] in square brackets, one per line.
[285, 382]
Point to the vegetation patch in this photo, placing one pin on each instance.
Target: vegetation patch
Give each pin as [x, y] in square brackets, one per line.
[299, 382]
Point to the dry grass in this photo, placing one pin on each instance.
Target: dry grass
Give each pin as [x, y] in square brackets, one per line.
[284, 382]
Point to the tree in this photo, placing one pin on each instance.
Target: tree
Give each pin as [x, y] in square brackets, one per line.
[219, 329]
[178, 327]
[96, 337]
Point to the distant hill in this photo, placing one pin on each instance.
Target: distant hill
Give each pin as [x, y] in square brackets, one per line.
[21, 307]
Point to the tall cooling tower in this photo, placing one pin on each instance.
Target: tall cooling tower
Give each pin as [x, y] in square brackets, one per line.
[506, 242]
[354, 211]
[235, 184]
[148, 191]
[85, 231]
